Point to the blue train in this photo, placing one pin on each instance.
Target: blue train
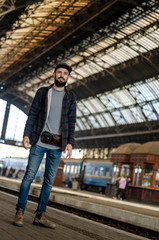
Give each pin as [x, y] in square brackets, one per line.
[92, 175]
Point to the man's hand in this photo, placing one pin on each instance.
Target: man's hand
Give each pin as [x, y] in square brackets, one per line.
[26, 142]
[68, 149]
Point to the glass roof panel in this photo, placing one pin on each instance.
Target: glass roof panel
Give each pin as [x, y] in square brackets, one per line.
[126, 42]
[109, 60]
[94, 122]
[80, 123]
[108, 101]
[155, 35]
[82, 108]
[78, 113]
[75, 76]
[131, 47]
[98, 104]
[92, 68]
[118, 116]
[83, 72]
[77, 128]
[107, 42]
[90, 106]
[116, 55]
[105, 101]
[129, 51]
[31, 93]
[109, 119]
[146, 93]
[156, 107]
[128, 116]
[114, 100]
[137, 113]
[134, 103]
[94, 105]
[136, 94]
[147, 43]
[154, 87]
[121, 98]
[95, 48]
[86, 122]
[35, 25]
[71, 80]
[149, 112]
[76, 59]
[86, 53]
[121, 55]
[101, 120]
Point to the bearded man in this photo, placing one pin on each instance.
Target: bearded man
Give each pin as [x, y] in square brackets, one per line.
[49, 130]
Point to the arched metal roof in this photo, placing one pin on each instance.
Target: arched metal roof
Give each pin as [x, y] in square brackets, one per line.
[113, 48]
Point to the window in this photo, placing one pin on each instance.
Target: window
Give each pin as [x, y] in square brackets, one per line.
[64, 169]
[157, 178]
[147, 176]
[157, 175]
[16, 124]
[75, 169]
[68, 168]
[92, 171]
[137, 175]
[78, 171]
[125, 170]
[72, 168]
[101, 171]
[115, 173]
[96, 171]
[107, 172]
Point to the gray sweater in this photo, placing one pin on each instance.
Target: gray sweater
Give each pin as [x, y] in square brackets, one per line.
[53, 121]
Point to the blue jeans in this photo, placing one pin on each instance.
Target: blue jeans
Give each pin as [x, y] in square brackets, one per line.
[52, 162]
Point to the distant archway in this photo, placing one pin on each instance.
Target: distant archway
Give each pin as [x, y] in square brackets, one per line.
[12, 122]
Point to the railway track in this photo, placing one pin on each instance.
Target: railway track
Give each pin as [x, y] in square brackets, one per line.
[139, 231]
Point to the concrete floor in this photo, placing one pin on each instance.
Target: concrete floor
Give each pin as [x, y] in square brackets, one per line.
[69, 226]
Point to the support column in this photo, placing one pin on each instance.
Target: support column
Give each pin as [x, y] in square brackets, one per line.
[5, 121]
[120, 165]
[142, 174]
[131, 170]
[154, 175]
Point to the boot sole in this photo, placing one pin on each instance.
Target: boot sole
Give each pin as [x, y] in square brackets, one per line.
[41, 225]
[17, 224]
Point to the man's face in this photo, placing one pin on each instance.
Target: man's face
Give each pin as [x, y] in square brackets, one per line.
[61, 76]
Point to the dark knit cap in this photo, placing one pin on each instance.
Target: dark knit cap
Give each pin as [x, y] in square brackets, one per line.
[63, 65]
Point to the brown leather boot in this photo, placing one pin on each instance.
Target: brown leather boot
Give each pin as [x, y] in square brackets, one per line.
[41, 220]
[18, 220]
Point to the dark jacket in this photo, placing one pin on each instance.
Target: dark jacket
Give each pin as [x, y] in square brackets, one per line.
[38, 113]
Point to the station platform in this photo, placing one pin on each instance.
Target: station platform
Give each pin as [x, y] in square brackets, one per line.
[68, 226]
[143, 215]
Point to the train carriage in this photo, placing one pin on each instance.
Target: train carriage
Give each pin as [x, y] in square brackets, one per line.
[96, 174]
[92, 175]
[72, 171]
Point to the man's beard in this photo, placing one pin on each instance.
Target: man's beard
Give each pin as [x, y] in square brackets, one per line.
[59, 84]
